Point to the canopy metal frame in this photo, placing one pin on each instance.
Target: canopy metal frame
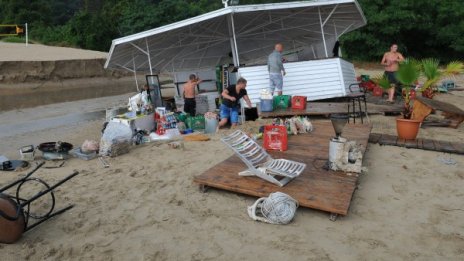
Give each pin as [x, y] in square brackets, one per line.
[237, 34]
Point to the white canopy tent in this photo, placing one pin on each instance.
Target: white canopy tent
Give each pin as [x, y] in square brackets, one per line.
[238, 34]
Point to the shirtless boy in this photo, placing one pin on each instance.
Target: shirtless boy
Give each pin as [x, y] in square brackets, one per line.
[189, 94]
[391, 61]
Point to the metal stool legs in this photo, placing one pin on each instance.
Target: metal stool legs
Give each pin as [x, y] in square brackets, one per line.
[353, 111]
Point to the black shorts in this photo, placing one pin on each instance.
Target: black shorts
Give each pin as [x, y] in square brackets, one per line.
[391, 76]
[190, 106]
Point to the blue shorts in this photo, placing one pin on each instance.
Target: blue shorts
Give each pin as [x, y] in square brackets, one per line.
[227, 112]
[276, 81]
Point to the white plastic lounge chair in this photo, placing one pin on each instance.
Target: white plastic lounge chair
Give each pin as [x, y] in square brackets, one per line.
[260, 163]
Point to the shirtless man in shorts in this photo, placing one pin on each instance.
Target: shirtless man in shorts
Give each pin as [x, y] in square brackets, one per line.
[391, 61]
[190, 105]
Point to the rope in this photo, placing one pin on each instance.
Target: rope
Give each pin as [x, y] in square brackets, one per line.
[278, 208]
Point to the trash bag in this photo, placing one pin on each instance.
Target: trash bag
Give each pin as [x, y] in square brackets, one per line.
[116, 139]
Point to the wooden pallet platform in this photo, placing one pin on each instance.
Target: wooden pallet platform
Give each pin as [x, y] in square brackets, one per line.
[422, 144]
[326, 108]
[315, 188]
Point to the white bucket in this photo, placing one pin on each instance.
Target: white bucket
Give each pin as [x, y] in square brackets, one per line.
[211, 125]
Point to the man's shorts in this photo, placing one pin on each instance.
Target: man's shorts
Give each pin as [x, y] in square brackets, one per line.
[227, 112]
[275, 82]
[190, 106]
[391, 76]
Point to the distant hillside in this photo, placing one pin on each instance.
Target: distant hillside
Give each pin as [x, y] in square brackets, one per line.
[432, 28]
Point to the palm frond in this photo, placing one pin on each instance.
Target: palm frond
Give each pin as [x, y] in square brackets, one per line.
[381, 81]
[408, 72]
[430, 68]
[453, 68]
[429, 83]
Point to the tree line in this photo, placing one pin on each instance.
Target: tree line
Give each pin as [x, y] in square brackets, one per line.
[421, 28]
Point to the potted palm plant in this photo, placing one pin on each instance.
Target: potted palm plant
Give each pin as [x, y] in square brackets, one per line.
[408, 73]
[432, 73]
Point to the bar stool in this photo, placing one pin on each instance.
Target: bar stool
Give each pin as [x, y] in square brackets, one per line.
[355, 98]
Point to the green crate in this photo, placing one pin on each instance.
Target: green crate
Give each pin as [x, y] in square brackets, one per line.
[282, 101]
[196, 123]
[181, 117]
[365, 77]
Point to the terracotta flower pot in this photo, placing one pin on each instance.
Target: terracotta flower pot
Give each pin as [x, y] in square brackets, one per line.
[407, 129]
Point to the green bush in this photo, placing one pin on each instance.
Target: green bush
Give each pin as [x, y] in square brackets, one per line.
[13, 39]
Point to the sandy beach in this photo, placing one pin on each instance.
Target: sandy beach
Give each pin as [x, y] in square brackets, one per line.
[145, 206]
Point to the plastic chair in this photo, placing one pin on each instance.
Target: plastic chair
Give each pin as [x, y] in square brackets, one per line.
[354, 100]
[260, 163]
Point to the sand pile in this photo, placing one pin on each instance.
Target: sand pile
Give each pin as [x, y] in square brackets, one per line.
[37, 71]
[39, 74]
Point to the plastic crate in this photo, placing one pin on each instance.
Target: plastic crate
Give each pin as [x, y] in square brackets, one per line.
[282, 101]
[377, 91]
[275, 137]
[196, 123]
[266, 105]
[365, 77]
[299, 102]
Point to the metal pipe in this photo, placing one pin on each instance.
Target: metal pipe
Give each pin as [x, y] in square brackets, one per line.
[40, 194]
[233, 41]
[22, 179]
[322, 31]
[149, 59]
[135, 73]
[27, 36]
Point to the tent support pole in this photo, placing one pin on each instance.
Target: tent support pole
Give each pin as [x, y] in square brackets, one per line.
[135, 74]
[138, 48]
[148, 55]
[322, 32]
[330, 15]
[233, 40]
[344, 31]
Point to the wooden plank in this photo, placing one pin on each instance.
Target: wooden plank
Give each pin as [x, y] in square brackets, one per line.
[424, 144]
[428, 144]
[388, 140]
[441, 106]
[326, 108]
[442, 123]
[447, 147]
[374, 137]
[420, 110]
[437, 145]
[420, 143]
[400, 142]
[410, 144]
[455, 120]
[315, 188]
[459, 147]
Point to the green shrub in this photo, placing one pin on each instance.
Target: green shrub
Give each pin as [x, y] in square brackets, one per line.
[13, 39]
